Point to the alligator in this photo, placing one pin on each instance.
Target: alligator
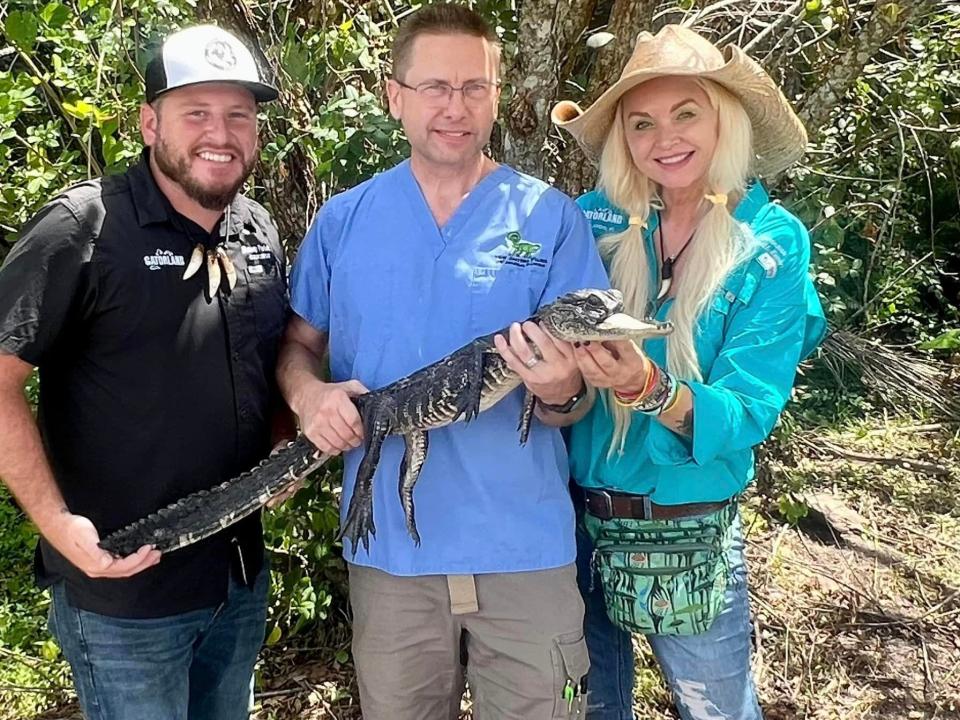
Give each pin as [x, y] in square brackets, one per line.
[457, 387]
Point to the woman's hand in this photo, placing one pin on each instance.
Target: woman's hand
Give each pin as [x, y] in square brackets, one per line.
[617, 364]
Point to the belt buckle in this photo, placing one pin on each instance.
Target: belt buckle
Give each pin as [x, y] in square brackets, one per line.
[596, 495]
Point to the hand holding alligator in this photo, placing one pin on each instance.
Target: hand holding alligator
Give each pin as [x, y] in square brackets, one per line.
[545, 365]
[328, 417]
[75, 537]
[618, 364]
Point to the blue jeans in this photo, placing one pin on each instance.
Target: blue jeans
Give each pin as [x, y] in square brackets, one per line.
[708, 674]
[197, 665]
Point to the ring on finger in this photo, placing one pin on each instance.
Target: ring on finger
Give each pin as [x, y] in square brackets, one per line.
[531, 361]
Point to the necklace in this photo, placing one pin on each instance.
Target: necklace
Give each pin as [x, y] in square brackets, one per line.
[216, 259]
[666, 263]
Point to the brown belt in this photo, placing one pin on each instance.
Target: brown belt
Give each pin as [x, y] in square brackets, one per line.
[605, 504]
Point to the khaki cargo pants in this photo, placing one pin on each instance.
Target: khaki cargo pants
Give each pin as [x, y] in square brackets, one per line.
[522, 634]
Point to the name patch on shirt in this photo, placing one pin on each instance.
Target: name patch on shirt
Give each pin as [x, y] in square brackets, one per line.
[163, 258]
[256, 255]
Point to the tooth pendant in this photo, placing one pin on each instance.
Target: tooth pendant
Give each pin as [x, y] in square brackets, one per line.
[196, 260]
[218, 264]
[213, 273]
[228, 269]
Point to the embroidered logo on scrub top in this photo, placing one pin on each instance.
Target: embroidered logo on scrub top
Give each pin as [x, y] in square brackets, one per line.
[520, 252]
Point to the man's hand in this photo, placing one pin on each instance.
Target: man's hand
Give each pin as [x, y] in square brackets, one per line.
[328, 416]
[75, 537]
[551, 373]
[617, 364]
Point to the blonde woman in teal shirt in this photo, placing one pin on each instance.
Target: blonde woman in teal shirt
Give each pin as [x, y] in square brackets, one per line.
[689, 235]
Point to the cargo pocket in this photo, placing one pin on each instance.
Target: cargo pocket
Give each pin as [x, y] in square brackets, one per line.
[570, 666]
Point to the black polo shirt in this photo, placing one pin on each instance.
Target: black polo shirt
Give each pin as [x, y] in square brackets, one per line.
[149, 390]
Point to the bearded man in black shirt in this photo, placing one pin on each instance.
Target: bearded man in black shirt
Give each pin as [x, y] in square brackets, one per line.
[152, 303]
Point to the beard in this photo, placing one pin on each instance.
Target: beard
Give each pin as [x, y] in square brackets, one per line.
[176, 166]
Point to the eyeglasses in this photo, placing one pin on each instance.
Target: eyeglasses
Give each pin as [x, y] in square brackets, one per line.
[439, 93]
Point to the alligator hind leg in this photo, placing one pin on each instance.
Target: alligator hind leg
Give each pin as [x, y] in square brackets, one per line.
[413, 457]
[359, 522]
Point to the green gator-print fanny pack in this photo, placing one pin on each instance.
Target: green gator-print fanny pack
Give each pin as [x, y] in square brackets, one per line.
[663, 577]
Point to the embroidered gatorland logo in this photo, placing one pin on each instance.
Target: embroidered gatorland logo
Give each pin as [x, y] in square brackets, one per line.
[521, 252]
[163, 258]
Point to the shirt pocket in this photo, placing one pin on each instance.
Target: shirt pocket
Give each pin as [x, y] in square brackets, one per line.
[503, 295]
[735, 293]
[268, 298]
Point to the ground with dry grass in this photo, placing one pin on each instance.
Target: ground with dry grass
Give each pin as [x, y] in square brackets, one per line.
[856, 603]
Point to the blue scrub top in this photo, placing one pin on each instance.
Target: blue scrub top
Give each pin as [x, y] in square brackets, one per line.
[394, 293]
[762, 322]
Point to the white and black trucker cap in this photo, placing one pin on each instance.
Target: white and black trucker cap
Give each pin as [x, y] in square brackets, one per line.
[202, 54]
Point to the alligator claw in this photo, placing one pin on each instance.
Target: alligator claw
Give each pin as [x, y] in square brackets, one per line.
[196, 260]
[359, 527]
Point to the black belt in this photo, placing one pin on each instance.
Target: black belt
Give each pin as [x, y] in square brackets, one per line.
[607, 504]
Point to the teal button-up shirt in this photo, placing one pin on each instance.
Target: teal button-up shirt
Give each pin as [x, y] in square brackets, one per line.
[762, 322]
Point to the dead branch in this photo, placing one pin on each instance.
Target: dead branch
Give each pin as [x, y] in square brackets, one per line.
[825, 446]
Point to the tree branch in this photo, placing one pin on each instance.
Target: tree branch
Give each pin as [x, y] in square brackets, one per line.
[886, 21]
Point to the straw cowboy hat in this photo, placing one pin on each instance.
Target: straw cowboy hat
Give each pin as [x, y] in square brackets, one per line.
[779, 138]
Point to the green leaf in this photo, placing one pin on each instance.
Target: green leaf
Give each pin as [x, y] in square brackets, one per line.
[80, 109]
[791, 509]
[55, 15]
[50, 650]
[21, 28]
[274, 637]
[950, 340]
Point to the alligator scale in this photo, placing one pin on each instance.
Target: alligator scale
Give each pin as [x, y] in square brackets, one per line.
[457, 387]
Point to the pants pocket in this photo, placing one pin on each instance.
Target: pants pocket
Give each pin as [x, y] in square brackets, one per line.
[570, 665]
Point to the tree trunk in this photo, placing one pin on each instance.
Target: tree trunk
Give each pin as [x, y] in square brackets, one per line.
[547, 35]
[291, 190]
[627, 19]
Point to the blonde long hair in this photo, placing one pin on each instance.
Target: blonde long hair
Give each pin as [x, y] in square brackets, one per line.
[719, 242]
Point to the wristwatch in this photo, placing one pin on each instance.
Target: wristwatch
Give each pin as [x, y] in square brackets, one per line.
[569, 405]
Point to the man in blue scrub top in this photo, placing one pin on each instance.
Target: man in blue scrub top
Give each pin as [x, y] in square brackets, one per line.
[393, 275]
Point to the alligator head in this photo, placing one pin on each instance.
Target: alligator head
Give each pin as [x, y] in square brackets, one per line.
[595, 315]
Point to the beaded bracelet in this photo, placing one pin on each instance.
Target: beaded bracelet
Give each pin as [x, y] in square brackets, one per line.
[655, 400]
[656, 392]
[651, 376]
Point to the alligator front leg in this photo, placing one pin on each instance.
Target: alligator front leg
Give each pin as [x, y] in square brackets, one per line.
[413, 457]
[468, 397]
[526, 416]
[359, 522]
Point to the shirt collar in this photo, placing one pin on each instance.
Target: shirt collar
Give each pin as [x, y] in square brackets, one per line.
[750, 204]
[152, 206]
[150, 203]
